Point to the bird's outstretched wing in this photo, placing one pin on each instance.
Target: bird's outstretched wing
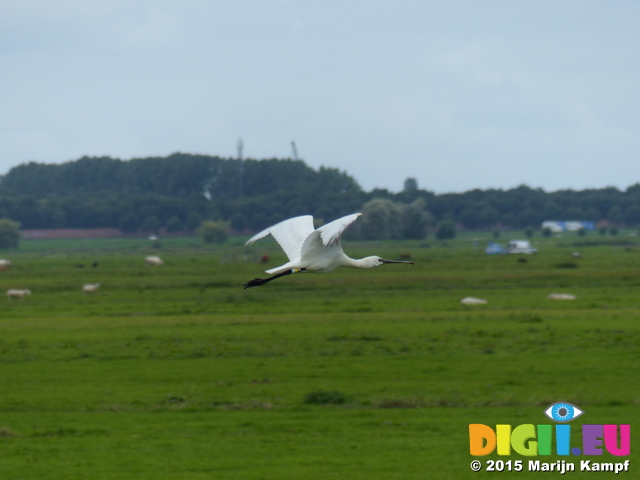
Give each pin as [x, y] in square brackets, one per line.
[290, 234]
[332, 232]
[327, 236]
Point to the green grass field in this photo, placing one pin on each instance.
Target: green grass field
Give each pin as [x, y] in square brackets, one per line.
[176, 372]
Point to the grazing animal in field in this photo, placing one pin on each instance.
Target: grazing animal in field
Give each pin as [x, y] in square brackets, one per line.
[472, 301]
[4, 264]
[311, 250]
[15, 293]
[153, 260]
[90, 288]
[560, 296]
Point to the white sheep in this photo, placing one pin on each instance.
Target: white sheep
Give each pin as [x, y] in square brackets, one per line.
[91, 288]
[15, 293]
[4, 263]
[152, 260]
[472, 301]
[561, 296]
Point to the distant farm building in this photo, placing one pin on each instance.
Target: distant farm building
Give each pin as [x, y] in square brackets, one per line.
[568, 225]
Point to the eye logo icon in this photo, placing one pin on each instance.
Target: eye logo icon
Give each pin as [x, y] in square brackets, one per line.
[563, 412]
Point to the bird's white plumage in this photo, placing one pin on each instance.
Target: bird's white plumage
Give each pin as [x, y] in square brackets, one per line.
[290, 234]
[327, 237]
[317, 250]
[332, 232]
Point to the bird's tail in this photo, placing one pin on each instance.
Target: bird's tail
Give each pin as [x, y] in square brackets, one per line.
[281, 268]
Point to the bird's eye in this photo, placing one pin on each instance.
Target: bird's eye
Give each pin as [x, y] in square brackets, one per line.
[562, 412]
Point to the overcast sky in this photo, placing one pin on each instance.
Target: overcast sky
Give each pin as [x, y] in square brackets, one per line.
[458, 94]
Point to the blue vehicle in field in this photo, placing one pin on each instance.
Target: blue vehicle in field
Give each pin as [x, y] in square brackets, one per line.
[495, 249]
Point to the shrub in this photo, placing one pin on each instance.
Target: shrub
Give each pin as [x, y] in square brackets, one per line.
[567, 265]
[323, 397]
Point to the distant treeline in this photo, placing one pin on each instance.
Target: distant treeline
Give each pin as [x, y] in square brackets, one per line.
[178, 192]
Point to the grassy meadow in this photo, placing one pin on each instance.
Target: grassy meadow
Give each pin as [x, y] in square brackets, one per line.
[176, 372]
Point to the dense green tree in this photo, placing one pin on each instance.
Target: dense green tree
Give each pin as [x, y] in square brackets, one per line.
[616, 215]
[469, 217]
[592, 214]
[192, 222]
[446, 230]
[214, 232]
[528, 217]
[415, 220]
[129, 223]
[410, 185]
[632, 215]
[488, 217]
[552, 211]
[239, 222]
[574, 213]
[174, 225]
[381, 220]
[151, 224]
[95, 192]
[9, 233]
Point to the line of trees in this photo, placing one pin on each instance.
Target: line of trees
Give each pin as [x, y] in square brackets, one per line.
[181, 191]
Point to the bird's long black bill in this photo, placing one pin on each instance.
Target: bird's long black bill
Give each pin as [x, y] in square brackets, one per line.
[397, 261]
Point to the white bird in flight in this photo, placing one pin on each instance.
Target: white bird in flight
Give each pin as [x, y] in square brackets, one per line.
[311, 250]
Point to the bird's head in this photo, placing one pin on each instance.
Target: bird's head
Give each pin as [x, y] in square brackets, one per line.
[375, 261]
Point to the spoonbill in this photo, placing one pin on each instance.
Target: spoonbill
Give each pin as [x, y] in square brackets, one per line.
[311, 250]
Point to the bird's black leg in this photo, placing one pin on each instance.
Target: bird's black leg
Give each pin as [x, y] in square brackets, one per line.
[256, 282]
